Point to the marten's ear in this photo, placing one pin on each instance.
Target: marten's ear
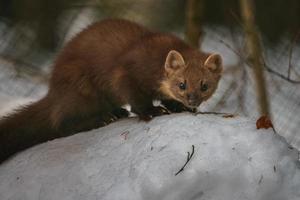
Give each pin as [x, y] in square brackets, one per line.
[174, 61]
[214, 63]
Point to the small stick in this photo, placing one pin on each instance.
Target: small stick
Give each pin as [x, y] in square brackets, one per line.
[212, 113]
[261, 179]
[189, 156]
[125, 134]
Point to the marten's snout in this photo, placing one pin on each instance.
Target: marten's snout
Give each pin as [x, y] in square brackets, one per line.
[193, 99]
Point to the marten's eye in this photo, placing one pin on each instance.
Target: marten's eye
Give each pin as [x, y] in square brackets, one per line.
[182, 85]
[204, 87]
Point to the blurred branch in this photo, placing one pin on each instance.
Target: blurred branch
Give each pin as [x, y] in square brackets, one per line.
[255, 54]
[228, 92]
[269, 69]
[281, 75]
[238, 52]
[194, 22]
[241, 92]
[293, 42]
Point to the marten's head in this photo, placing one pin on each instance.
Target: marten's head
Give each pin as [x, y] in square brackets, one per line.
[190, 81]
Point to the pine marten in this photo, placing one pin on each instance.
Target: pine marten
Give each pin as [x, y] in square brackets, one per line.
[111, 63]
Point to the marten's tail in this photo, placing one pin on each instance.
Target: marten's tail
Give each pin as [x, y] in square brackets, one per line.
[26, 127]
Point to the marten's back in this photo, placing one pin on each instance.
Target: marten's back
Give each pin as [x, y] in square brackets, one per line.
[103, 41]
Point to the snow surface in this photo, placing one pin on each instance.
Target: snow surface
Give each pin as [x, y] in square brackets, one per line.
[135, 160]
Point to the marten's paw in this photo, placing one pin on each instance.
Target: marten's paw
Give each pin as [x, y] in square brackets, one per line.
[120, 113]
[114, 116]
[108, 118]
[153, 112]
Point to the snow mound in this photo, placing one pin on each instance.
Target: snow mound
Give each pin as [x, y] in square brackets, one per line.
[136, 160]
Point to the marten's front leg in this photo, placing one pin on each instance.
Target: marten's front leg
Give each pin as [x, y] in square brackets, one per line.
[141, 101]
[145, 109]
[176, 107]
[148, 113]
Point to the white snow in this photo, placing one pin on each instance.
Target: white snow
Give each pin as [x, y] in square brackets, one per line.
[135, 160]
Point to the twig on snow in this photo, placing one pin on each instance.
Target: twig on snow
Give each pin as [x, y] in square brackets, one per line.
[213, 113]
[261, 179]
[189, 156]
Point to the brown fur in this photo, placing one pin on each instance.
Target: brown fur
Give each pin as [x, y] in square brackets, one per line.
[107, 65]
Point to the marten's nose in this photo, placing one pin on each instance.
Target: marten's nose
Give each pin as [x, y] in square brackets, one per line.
[191, 98]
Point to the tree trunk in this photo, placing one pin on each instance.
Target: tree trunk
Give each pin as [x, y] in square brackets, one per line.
[254, 49]
[194, 22]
